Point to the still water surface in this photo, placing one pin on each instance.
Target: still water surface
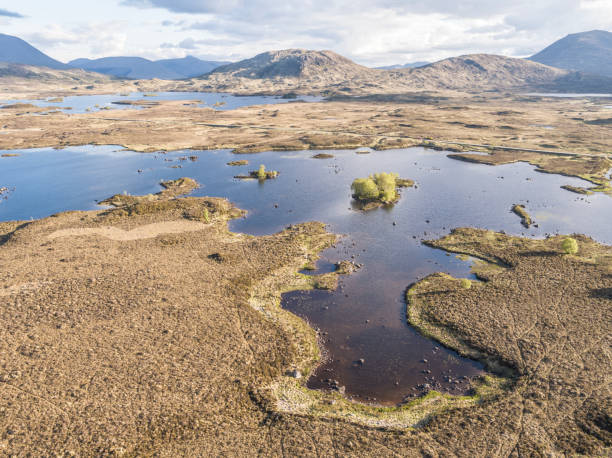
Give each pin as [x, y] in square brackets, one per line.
[218, 101]
[365, 318]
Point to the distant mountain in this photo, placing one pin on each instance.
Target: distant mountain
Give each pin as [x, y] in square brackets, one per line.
[126, 67]
[294, 63]
[140, 68]
[190, 66]
[408, 65]
[589, 52]
[16, 51]
[483, 71]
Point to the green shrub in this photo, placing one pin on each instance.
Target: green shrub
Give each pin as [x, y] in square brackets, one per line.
[261, 173]
[465, 283]
[365, 188]
[386, 183]
[569, 246]
[381, 186]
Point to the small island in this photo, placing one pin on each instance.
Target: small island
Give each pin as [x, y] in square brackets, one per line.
[378, 190]
[238, 163]
[525, 217]
[323, 156]
[261, 174]
[171, 189]
[577, 190]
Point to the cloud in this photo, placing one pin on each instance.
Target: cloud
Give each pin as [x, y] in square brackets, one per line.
[193, 44]
[371, 32]
[376, 31]
[7, 13]
[189, 6]
[101, 38]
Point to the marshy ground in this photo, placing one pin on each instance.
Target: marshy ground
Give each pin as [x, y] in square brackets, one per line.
[447, 121]
[150, 328]
[546, 316]
[144, 339]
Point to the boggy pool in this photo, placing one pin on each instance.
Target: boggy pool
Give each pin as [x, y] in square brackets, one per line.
[216, 100]
[365, 318]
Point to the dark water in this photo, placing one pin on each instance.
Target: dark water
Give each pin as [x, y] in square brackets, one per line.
[365, 318]
[224, 101]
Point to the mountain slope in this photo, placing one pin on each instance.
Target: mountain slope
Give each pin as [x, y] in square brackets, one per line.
[15, 50]
[140, 68]
[482, 71]
[589, 52]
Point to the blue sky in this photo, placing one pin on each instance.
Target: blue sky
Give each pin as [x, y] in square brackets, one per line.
[375, 32]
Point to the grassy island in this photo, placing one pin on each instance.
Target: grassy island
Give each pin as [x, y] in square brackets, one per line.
[171, 189]
[261, 174]
[525, 217]
[238, 163]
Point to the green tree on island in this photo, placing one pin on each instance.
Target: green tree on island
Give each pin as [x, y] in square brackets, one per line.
[380, 186]
[261, 173]
[365, 188]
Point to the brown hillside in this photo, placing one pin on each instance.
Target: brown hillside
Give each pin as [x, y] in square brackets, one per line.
[296, 63]
[325, 72]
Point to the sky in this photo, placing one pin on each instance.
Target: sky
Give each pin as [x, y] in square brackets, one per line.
[372, 33]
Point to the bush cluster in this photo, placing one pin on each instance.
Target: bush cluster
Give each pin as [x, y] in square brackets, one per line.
[381, 186]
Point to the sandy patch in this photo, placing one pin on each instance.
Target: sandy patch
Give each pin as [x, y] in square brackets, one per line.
[148, 231]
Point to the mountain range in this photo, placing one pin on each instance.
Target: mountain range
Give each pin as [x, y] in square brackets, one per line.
[568, 65]
[305, 71]
[408, 65]
[14, 50]
[140, 68]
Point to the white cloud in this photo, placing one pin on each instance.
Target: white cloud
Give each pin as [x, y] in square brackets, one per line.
[372, 32]
[388, 31]
[101, 39]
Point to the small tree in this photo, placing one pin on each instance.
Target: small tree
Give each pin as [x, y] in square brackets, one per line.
[569, 246]
[261, 173]
[386, 183]
[465, 283]
[365, 188]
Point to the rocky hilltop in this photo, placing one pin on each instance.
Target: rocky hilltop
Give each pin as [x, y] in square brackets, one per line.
[296, 63]
[589, 52]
